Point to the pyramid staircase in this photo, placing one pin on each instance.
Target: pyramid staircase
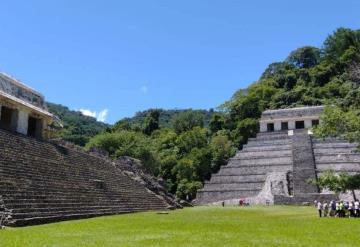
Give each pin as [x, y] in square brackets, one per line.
[42, 182]
[300, 155]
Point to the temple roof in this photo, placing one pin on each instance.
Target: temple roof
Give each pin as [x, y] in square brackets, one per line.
[18, 92]
[14, 87]
[292, 112]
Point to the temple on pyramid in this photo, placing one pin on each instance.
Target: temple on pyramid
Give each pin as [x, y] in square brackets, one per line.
[277, 166]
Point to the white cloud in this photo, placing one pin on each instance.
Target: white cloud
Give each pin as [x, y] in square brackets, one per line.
[144, 89]
[100, 116]
[88, 113]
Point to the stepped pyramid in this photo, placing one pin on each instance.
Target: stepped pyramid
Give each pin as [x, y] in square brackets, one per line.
[43, 182]
[275, 167]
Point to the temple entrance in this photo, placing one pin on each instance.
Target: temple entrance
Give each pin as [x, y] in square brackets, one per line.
[34, 127]
[299, 125]
[314, 122]
[270, 127]
[284, 125]
[8, 120]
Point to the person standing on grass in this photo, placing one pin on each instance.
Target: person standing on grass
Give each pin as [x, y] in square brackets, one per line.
[332, 209]
[342, 209]
[351, 210]
[356, 207]
[337, 209]
[319, 207]
[326, 209]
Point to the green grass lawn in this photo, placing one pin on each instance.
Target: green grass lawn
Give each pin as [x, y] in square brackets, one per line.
[201, 226]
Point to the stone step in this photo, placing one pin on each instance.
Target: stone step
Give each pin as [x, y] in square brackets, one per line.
[265, 153]
[328, 140]
[343, 166]
[335, 150]
[270, 134]
[300, 199]
[234, 186]
[336, 158]
[271, 137]
[237, 178]
[238, 162]
[268, 142]
[247, 148]
[254, 169]
[334, 145]
[209, 196]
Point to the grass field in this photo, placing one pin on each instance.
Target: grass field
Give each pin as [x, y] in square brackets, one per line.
[201, 226]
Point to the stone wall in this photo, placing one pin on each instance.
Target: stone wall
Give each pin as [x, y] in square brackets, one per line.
[13, 87]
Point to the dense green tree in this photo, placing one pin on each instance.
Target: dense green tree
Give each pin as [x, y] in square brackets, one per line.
[336, 122]
[222, 149]
[339, 183]
[187, 120]
[151, 122]
[341, 40]
[196, 137]
[217, 123]
[304, 57]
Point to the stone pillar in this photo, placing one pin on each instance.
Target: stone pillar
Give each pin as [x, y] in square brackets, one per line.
[308, 123]
[40, 129]
[23, 121]
[263, 127]
[277, 125]
[291, 124]
[14, 120]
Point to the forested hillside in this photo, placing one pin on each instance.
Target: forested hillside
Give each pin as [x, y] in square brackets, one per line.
[165, 117]
[78, 128]
[185, 150]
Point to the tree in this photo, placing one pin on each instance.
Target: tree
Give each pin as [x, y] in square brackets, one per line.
[342, 39]
[151, 122]
[304, 57]
[187, 189]
[353, 184]
[339, 183]
[222, 150]
[336, 122]
[187, 120]
[217, 123]
[195, 138]
[336, 183]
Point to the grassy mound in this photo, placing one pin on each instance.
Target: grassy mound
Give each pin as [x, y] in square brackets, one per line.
[201, 226]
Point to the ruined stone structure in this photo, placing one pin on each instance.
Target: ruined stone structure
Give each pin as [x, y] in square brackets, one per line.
[43, 182]
[275, 166]
[22, 109]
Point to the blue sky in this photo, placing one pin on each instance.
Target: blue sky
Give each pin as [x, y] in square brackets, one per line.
[127, 56]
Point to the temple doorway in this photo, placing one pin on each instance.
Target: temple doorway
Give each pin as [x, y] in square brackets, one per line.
[8, 120]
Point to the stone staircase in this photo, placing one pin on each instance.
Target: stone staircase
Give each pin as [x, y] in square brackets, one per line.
[276, 155]
[304, 168]
[43, 182]
[245, 174]
[336, 154]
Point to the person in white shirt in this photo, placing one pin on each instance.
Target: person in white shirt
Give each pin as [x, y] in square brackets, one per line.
[337, 209]
[319, 207]
[356, 207]
[351, 210]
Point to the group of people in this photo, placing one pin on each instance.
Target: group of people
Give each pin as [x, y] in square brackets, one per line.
[339, 209]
